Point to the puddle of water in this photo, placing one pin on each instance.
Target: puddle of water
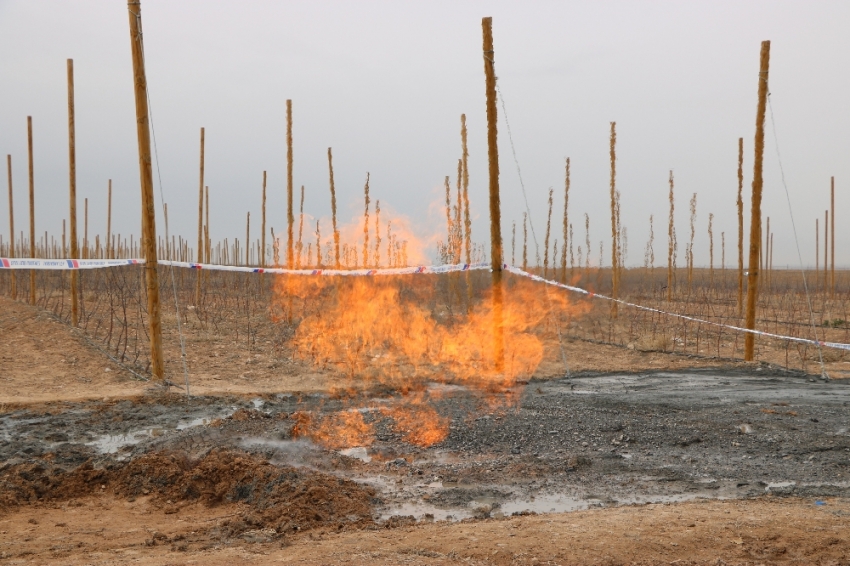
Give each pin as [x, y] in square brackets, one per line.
[420, 510]
[779, 484]
[357, 452]
[258, 403]
[295, 453]
[555, 503]
[112, 443]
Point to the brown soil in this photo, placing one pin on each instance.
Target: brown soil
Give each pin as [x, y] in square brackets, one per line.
[285, 499]
[104, 529]
[66, 367]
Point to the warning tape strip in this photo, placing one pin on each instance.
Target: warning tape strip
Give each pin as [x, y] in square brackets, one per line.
[72, 264]
[64, 264]
[590, 294]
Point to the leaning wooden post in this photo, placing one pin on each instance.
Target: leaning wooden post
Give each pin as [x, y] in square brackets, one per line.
[495, 205]
[32, 207]
[290, 218]
[200, 254]
[134, 10]
[14, 287]
[755, 220]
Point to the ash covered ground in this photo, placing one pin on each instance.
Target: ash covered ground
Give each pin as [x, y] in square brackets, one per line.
[558, 445]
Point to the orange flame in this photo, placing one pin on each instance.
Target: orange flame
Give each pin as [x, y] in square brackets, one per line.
[406, 331]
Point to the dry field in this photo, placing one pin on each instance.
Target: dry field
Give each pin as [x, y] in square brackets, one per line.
[655, 474]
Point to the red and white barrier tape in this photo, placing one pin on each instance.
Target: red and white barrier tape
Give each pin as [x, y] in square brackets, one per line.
[590, 294]
[64, 264]
[70, 264]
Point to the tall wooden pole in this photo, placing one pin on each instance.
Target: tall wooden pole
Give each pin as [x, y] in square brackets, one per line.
[109, 250]
[86, 228]
[495, 204]
[263, 229]
[740, 204]
[200, 254]
[615, 283]
[14, 286]
[333, 209]
[817, 255]
[208, 245]
[832, 235]
[32, 207]
[72, 188]
[825, 252]
[290, 218]
[134, 10]
[755, 222]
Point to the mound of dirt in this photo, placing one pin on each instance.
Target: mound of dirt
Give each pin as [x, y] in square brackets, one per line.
[284, 499]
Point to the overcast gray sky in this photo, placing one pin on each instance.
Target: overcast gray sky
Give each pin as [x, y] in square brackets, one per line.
[384, 84]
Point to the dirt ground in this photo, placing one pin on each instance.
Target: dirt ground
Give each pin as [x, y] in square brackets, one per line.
[106, 530]
[69, 367]
[753, 466]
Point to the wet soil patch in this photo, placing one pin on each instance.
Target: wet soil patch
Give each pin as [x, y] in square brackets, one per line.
[559, 445]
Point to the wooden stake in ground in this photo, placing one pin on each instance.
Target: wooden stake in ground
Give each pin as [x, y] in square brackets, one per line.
[740, 227]
[546, 238]
[710, 248]
[755, 222]
[825, 251]
[495, 205]
[109, 221]
[32, 207]
[525, 241]
[467, 219]
[262, 257]
[208, 242]
[333, 209]
[200, 254]
[817, 255]
[566, 221]
[72, 186]
[146, 178]
[614, 251]
[86, 228]
[301, 229]
[290, 219]
[670, 244]
[365, 222]
[832, 236]
[248, 239]
[14, 286]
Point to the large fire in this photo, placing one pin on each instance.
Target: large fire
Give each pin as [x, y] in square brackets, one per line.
[409, 331]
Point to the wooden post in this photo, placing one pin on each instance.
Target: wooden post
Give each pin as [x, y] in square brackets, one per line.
[109, 251]
[670, 229]
[207, 224]
[200, 254]
[740, 227]
[615, 284]
[86, 229]
[32, 207]
[333, 209]
[134, 10]
[290, 219]
[247, 239]
[832, 236]
[817, 255]
[755, 226]
[263, 230]
[14, 286]
[495, 204]
[825, 252]
[72, 187]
